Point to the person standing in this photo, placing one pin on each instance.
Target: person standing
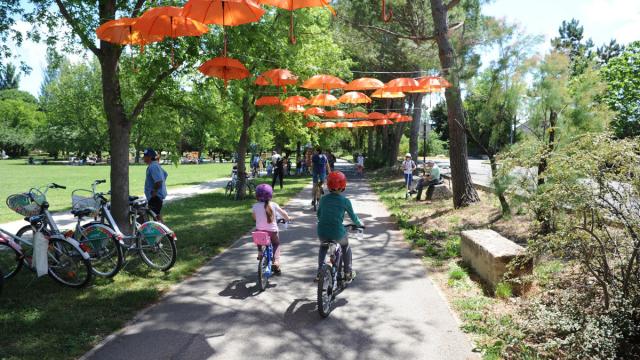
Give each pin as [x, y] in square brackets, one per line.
[360, 164]
[332, 160]
[408, 167]
[155, 183]
[278, 170]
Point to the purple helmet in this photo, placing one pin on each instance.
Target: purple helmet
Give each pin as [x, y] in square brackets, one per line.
[264, 192]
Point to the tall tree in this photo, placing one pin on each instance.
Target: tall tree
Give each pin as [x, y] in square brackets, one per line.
[609, 51]
[571, 42]
[9, 77]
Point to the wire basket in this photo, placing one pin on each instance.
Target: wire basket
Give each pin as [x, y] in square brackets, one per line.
[26, 204]
[83, 199]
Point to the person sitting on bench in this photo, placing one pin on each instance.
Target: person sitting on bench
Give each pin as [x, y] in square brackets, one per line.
[430, 180]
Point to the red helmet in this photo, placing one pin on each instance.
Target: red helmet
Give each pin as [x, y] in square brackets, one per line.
[337, 181]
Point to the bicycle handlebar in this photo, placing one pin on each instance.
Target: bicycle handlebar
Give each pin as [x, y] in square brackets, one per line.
[102, 181]
[354, 227]
[56, 186]
[283, 221]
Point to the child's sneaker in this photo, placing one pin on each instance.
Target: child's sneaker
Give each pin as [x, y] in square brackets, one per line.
[317, 279]
[276, 270]
[350, 276]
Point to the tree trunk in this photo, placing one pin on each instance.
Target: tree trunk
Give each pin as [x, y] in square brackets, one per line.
[247, 119]
[463, 191]
[395, 139]
[415, 125]
[542, 165]
[499, 188]
[370, 142]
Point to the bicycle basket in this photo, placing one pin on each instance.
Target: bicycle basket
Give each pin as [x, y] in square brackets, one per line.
[23, 204]
[83, 199]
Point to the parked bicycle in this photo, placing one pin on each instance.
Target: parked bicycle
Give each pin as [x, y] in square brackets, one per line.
[332, 278]
[68, 263]
[265, 262]
[232, 189]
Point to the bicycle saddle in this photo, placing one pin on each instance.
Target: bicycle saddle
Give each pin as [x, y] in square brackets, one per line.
[133, 198]
[82, 212]
[139, 203]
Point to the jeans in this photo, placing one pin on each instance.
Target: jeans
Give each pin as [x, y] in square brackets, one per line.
[408, 180]
[346, 254]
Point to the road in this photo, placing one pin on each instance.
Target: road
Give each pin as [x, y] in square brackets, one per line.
[391, 311]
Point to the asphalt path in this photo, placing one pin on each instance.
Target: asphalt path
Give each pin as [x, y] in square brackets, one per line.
[391, 310]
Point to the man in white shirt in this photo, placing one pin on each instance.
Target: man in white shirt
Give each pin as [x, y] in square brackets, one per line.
[275, 157]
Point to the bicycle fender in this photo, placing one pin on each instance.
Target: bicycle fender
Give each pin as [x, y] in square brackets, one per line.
[102, 229]
[73, 242]
[154, 228]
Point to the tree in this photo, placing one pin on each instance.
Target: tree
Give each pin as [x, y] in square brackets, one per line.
[609, 51]
[19, 118]
[623, 91]
[9, 77]
[570, 42]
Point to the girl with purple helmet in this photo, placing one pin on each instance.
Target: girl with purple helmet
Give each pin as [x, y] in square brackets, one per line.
[264, 213]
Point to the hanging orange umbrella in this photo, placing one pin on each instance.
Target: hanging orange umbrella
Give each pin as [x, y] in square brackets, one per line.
[311, 124]
[356, 115]
[120, 31]
[364, 84]
[326, 125]
[316, 111]
[354, 97]
[293, 108]
[404, 118]
[345, 124]
[277, 77]
[323, 82]
[383, 94]
[168, 21]
[365, 123]
[292, 5]
[323, 100]
[434, 82]
[393, 115]
[335, 114]
[268, 101]
[224, 68]
[295, 100]
[377, 116]
[401, 84]
[383, 122]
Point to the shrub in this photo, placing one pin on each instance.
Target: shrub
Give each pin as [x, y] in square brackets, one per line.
[503, 290]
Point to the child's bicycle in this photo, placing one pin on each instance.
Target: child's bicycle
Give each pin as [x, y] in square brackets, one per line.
[332, 278]
[265, 261]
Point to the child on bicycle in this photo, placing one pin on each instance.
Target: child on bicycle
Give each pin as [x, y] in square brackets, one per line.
[330, 217]
[264, 213]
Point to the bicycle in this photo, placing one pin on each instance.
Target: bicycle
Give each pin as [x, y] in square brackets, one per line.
[68, 263]
[265, 261]
[317, 193]
[233, 186]
[332, 278]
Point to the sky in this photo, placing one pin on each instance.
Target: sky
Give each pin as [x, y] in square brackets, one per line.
[603, 20]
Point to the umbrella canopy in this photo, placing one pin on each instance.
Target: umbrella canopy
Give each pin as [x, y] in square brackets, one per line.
[168, 21]
[354, 97]
[223, 12]
[323, 82]
[433, 82]
[376, 116]
[345, 124]
[120, 31]
[383, 94]
[335, 114]
[401, 84]
[365, 123]
[364, 84]
[326, 125]
[357, 115]
[224, 68]
[311, 124]
[316, 111]
[292, 5]
[276, 77]
[393, 115]
[295, 100]
[293, 108]
[404, 118]
[383, 122]
[268, 101]
[323, 100]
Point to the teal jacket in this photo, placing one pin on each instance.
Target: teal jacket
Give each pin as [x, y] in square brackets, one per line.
[331, 214]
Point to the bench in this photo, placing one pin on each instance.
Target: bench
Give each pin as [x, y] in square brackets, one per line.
[489, 253]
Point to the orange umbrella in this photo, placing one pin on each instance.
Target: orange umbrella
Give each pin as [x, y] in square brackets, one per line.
[377, 116]
[223, 12]
[393, 115]
[354, 97]
[335, 114]
[401, 84]
[168, 21]
[404, 118]
[268, 100]
[365, 123]
[345, 124]
[292, 5]
[323, 100]
[323, 82]
[295, 100]
[364, 84]
[383, 122]
[316, 111]
[326, 125]
[311, 124]
[294, 108]
[224, 68]
[356, 115]
[277, 77]
[383, 94]
[434, 82]
[120, 31]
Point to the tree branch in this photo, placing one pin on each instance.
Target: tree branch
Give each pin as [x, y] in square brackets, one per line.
[386, 31]
[136, 8]
[452, 4]
[151, 90]
[76, 28]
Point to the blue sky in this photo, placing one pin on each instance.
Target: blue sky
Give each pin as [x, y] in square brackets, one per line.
[602, 19]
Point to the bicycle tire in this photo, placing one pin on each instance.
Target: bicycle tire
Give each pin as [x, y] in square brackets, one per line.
[26, 232]
[228, 190]
[325, 291]
[157, 249]
[69, 264]
[263, 280]
[100, 255]
[10, 261]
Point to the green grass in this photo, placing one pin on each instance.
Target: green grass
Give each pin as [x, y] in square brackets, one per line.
[503, 290]
[42, 320]
[16, 177]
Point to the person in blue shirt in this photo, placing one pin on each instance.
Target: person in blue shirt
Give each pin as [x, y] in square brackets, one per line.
[319, 170]
[155, 183]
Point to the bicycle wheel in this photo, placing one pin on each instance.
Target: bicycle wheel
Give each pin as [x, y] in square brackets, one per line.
[10, 261]
[325, 291]
[103, 248]
[26, 233]
[263, 280]
[251, 186]
[228, 190]
[67, 265]
[158, 252]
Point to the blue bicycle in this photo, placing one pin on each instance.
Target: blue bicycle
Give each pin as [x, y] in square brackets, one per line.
[332, 277]
[265, 261]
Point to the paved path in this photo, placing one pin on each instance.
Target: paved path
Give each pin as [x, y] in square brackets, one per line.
[66, 220]
[391, 311]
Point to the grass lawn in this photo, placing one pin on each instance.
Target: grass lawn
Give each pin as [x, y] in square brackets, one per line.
[42, 320]
[16, 177]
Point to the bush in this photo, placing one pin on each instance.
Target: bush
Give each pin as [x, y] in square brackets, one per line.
[503, 290]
